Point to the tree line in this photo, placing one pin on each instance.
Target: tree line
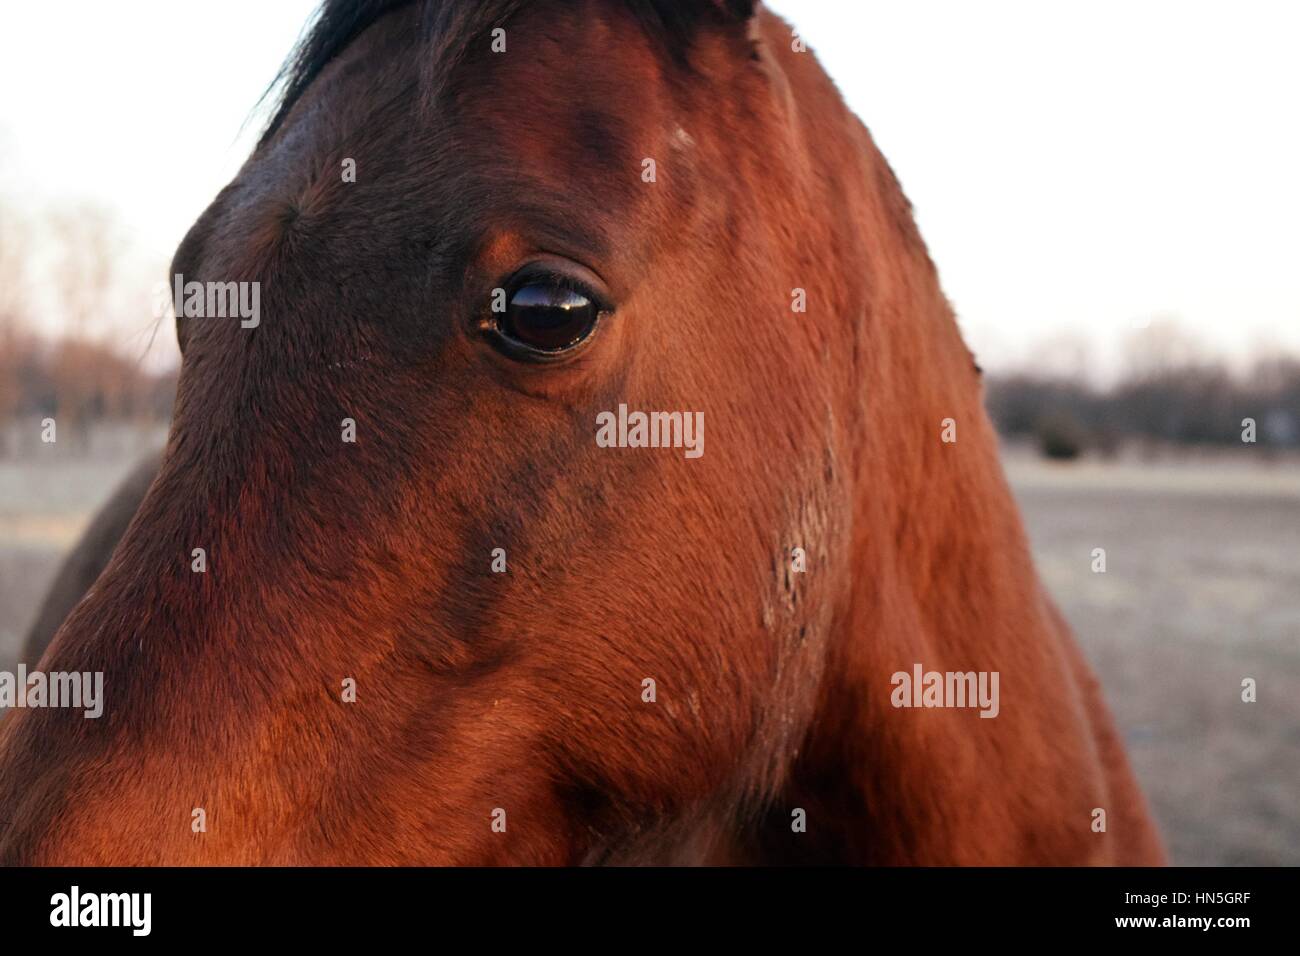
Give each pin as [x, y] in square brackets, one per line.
[1199, 403]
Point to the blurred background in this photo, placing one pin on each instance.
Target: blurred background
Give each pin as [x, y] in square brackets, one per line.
[1108, 189]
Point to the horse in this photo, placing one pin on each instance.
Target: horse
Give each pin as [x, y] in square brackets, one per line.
[387, 600]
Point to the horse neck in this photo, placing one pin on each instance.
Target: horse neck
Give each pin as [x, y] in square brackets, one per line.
[934, 518]
[941, 576]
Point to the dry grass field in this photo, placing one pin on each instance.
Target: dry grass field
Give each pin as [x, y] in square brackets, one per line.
[1202, 589]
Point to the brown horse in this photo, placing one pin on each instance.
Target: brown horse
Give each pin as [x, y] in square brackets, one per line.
[477, 633]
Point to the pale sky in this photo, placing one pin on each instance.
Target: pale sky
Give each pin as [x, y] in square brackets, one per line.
[1076, 168]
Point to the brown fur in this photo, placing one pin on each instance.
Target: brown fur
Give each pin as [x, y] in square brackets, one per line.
[522, 691]
[88, 558]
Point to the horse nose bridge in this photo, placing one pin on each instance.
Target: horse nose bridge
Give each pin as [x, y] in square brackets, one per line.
[176, 575]
[243, 521]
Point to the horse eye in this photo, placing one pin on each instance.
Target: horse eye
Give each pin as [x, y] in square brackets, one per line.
[548, 316]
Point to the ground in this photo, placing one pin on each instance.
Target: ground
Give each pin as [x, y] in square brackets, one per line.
[1201, 590]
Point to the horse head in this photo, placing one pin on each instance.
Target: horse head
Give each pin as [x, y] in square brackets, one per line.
[438, 566]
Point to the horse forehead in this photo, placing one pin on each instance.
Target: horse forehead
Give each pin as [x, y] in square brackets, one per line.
[534, 118]
[567, 67]
[562, 126]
